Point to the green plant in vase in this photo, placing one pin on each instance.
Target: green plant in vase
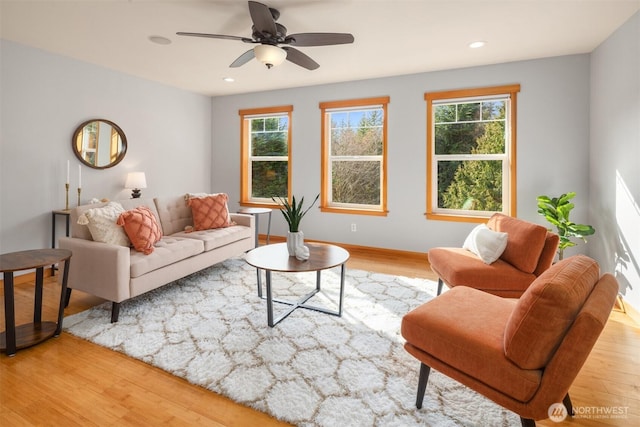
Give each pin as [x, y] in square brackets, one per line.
[556, 211]
[293, 213]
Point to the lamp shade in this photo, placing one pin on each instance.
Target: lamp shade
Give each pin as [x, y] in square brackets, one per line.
[270, 55]
[135, 180]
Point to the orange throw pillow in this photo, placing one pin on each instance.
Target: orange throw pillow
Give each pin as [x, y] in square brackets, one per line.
[209, 212]
[142, 228]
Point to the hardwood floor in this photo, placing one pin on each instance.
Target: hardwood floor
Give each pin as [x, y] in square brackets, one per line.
[69, 381]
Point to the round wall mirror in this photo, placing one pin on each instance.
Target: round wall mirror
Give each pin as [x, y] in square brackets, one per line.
[99, 143]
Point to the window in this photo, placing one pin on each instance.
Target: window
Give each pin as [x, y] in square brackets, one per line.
[471, 147]
[354, 151]
[266, 154]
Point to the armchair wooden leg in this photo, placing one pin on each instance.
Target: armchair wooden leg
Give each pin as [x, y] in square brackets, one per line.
[567, 404]
[115, 312]
[422, 383]
[440, 284]
[527, 422]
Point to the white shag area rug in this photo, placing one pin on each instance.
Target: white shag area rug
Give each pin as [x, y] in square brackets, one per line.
[312, 369]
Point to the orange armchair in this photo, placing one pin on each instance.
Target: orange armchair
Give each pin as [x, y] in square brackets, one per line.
[530, 250]
[523, 354]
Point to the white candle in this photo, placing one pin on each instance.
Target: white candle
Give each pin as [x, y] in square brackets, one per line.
[67, 171]
[79, 176]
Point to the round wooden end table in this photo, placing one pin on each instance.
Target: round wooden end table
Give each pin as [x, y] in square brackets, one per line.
[276, 258]
[18, 337]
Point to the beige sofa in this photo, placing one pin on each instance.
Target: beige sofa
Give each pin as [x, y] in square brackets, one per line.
[117, 273]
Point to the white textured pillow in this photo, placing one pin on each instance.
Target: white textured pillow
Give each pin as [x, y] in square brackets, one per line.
[486, 243]
[102, 224]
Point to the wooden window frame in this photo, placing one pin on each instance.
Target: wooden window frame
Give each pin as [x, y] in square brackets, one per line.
[510, 146]
[245, 168]
[326, 158]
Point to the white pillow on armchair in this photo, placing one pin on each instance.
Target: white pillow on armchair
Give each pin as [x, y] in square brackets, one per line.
[486, 243]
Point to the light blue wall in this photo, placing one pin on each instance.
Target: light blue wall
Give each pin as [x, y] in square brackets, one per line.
[615, 151]
[46, 96]
[552, 153]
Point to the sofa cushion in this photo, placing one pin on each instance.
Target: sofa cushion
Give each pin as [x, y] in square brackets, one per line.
[455, 329]
[525, 241]
[218, 237]
[546, 310]
[486, 243]
[210, 211]
[168, 250]
[101, 222]
[174, 214]
[141, 227]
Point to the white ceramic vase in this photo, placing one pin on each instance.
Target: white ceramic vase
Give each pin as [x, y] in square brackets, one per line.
[295, 240]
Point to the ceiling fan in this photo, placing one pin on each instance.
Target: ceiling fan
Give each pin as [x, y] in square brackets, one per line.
[267, 34]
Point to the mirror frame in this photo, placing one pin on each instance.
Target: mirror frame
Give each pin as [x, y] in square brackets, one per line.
[117, 128]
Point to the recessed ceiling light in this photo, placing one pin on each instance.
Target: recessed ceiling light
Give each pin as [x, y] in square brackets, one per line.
[475, 45]
[229, 79]
[159, 40]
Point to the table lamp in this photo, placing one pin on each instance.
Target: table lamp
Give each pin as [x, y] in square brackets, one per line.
[135, 181]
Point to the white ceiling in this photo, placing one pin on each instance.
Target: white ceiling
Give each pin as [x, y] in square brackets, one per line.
[391, 37]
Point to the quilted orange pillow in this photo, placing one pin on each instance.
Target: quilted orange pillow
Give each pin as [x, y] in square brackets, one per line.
[210, 211]
[142, 228]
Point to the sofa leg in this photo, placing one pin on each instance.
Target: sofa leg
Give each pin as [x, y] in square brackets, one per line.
[422, 383]
[567, 404]
[115, 312]
[527, 422]
[440, 283]
[67, 297]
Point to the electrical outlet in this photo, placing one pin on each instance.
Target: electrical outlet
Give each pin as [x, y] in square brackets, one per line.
[354, 228]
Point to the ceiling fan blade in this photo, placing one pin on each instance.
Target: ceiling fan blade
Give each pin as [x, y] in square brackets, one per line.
[301, 59]
[243, 59]
[318, 39]
[262, 18]
[216, 36]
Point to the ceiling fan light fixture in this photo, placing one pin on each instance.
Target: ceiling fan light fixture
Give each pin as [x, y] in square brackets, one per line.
[270, 55]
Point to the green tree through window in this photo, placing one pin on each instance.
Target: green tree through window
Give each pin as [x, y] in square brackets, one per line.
[470, 144]
[266, 155]
[269, 162]
[477, 185]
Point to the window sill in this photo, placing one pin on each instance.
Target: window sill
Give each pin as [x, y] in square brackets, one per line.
[457, 218]
[352, 211]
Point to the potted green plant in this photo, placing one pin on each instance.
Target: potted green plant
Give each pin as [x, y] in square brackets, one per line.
[293, 213]
[556, 211]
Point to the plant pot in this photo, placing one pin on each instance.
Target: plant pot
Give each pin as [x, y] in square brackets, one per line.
[295, 239]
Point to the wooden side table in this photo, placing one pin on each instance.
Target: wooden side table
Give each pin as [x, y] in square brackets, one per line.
[18, 337]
